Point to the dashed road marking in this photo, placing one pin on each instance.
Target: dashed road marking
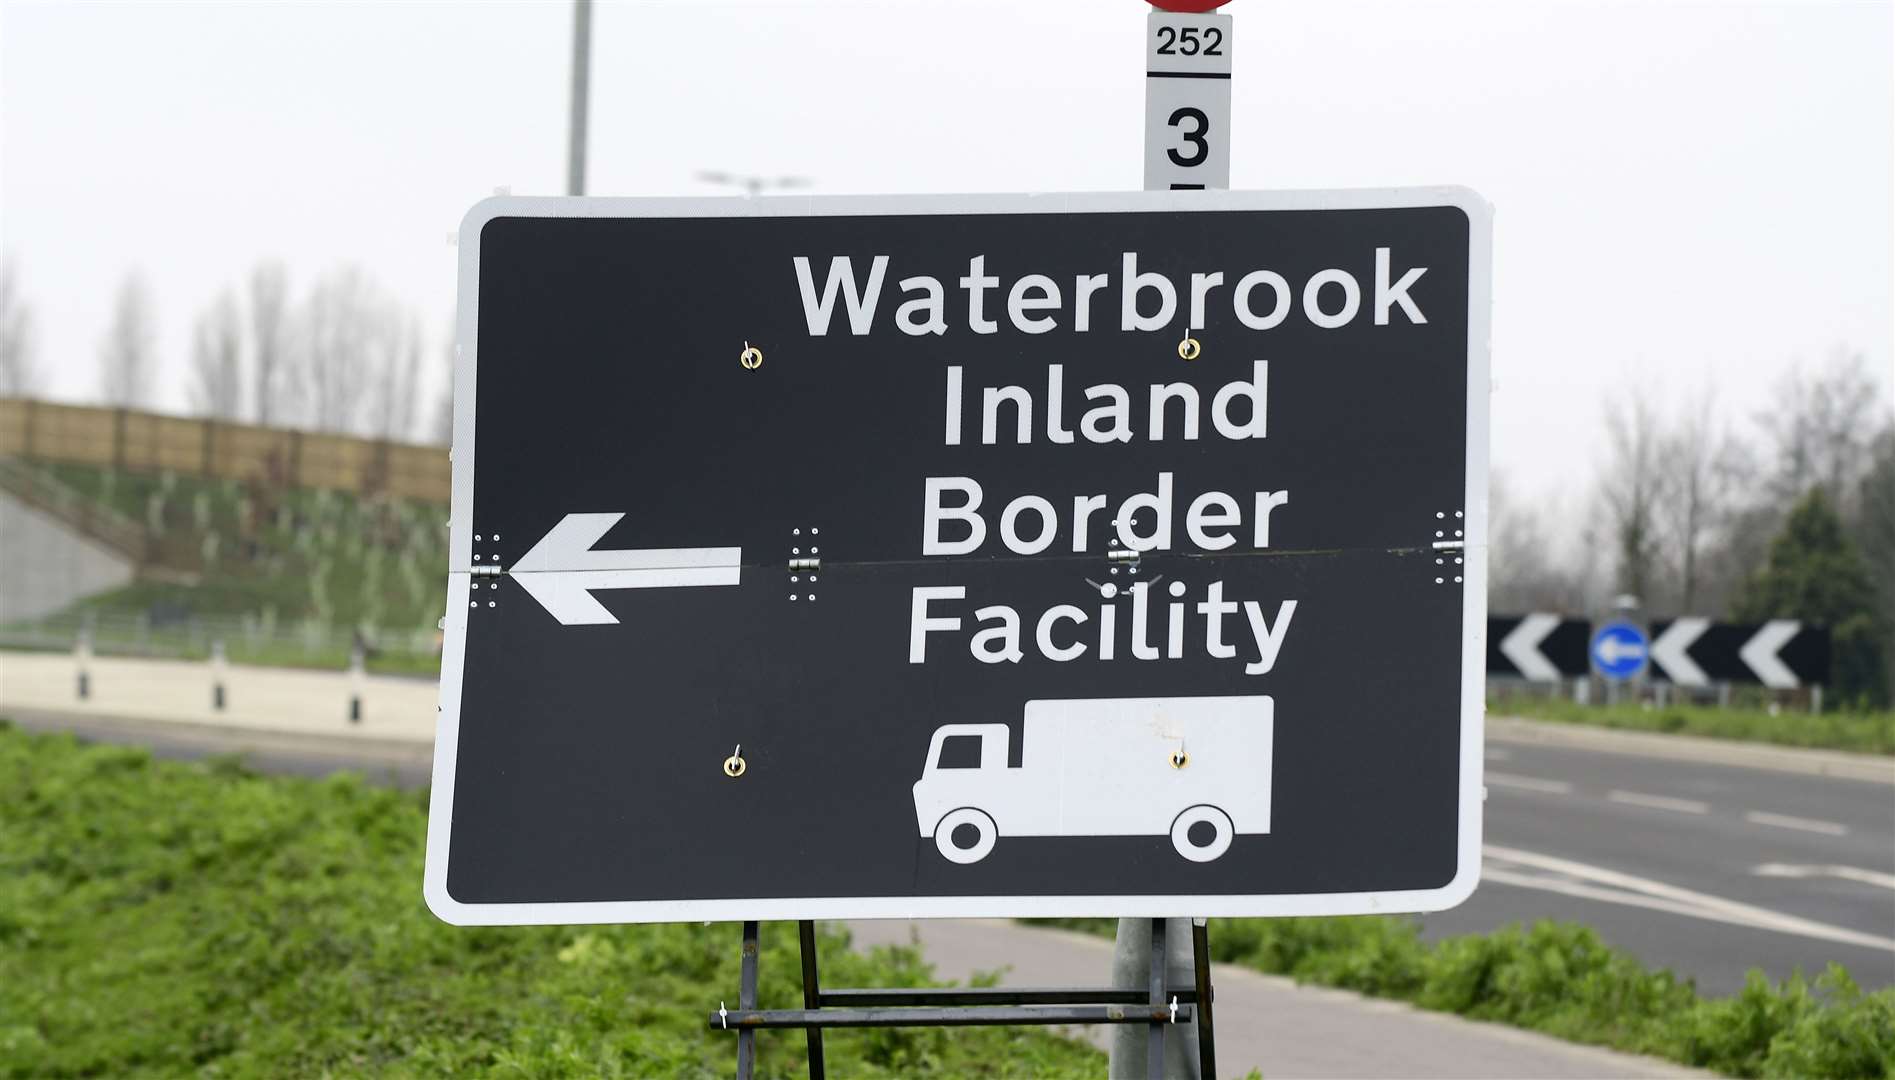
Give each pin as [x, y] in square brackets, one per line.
[1846, 873]
[1784, 821]
[1658, 802]
[1529, 783]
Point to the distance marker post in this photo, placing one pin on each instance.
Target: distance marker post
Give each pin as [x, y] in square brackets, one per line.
[219, 669]
[356, 678]
[1187, 99]
[82, 657]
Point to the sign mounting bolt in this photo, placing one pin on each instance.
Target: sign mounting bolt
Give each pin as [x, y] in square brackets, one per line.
[734, 764]
[1189, 348]
[751, 358]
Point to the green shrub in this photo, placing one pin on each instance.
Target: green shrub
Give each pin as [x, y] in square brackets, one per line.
[167, 919]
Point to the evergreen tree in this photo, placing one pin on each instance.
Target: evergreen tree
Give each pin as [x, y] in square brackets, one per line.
[1814, 574]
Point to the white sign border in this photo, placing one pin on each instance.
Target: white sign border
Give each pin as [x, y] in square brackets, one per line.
[1474, 588]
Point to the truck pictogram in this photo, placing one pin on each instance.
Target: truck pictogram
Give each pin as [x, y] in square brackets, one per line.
[1194, 768]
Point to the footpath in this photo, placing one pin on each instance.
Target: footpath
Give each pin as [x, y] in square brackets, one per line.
[292, 701]
[1269, 1023]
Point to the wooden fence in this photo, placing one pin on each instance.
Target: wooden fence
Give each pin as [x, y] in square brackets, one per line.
[151, 442]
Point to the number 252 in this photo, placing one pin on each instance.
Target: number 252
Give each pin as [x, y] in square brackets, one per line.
[1175, 41]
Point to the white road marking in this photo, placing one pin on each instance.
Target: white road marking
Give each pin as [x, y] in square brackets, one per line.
[1784, 821]
[1658, 802]
[1846, 873]
[1571, 878]
[1529, 783]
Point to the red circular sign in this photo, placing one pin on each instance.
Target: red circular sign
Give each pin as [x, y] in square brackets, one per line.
[1188, 7]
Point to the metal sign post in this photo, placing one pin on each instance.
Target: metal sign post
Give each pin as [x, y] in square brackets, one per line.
[1187, 148]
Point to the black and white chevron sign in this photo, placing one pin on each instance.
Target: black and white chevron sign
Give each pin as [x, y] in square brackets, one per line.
[1538, 647]
[1782, 654]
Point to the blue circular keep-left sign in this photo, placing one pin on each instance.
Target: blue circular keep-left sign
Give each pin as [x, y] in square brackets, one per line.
[1620, 650]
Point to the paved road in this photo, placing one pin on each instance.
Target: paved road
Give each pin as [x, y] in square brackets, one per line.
[404, 762]
[1666, 858]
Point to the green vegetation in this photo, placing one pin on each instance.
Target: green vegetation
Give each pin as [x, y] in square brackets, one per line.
[283, 554]
[1561, 979]
[1862, 732]
[1815, 574]
[167, 919]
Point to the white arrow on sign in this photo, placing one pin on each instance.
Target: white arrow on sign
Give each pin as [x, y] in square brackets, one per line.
[562, 569]
[1521, 646]
[1760, 652]
[1612, 650]
[1671, 650]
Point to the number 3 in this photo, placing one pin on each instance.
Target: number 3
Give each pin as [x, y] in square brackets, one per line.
[1195, 138]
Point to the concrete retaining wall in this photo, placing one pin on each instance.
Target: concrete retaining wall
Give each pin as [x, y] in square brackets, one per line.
[44, 566]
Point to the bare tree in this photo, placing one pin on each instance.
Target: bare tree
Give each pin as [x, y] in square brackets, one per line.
[339, 328]
[1631, 488]
[1526, 570]
[444, 401]
[217, 360]
[1704, 468]
[18, 377]
[274, 384]
[1822, 424]
[397, 357]
[126, 357]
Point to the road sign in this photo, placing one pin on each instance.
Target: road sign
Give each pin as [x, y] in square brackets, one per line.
[1619, 650]
[1187, 101]
[1782, 654]
[1539, 647]
[832, 558]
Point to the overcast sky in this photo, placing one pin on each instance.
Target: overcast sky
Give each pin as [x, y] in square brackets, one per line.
[1688, 196]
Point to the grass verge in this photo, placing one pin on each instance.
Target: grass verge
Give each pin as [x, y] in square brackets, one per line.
[1559, 978]
[1862, 732]
[159, 918]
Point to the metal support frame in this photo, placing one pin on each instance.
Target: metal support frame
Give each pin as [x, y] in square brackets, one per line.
[1156, 1004]
[746, 1002]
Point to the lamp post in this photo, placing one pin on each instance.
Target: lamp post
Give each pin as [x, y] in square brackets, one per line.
[581, 69]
